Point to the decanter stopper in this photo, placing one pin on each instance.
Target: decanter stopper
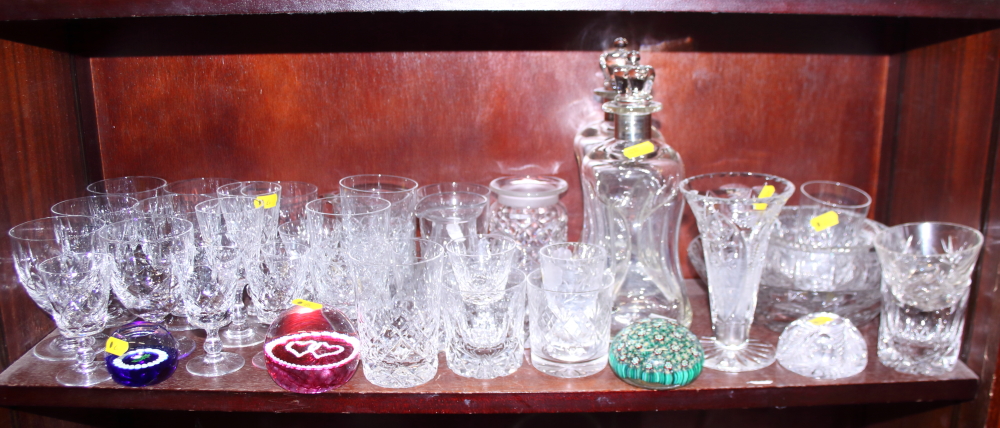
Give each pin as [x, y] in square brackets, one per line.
[617, 56]
[634, 84]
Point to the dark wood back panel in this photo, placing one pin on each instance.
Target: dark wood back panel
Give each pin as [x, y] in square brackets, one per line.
[41, 164]
[475, 116]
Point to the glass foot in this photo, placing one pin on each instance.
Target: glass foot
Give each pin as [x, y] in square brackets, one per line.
[252, 335]
[58, 348]
[754, 355]
[70, 377]
[225, 363]
[258, 361]
[185, 345]
[177, 323]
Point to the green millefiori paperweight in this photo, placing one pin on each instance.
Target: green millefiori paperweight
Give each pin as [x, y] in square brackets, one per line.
[656, 353]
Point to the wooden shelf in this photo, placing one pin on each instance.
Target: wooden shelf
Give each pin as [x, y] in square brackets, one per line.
[30, 382]
[76, 9]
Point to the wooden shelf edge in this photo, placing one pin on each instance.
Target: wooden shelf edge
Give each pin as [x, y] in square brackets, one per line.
[76, 9]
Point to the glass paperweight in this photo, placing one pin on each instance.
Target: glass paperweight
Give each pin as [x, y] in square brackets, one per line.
[656, 353]
[822, 345]
[528, 210]
[146, 354]
[311, 349]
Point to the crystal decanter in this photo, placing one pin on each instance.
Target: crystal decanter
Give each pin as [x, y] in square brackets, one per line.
[631, 182]
[597, 133]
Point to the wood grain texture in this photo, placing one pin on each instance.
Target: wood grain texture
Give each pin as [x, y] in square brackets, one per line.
[475, 116]
[75, 9]
[29, 382]
[40, 164]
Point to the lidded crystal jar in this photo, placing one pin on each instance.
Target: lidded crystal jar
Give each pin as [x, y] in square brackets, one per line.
[528, 210]
[630, 182]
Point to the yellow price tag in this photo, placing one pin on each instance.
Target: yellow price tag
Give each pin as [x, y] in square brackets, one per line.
[116, 346]
[307, 304]
[825, 221]
[643, 148]
[766, 192]
[820, 320]
[266, 201]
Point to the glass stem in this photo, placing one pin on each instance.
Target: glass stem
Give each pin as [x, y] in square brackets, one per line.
[732, 333]
[67, 344]
[85, 355]
[213, 346]
[238, 315]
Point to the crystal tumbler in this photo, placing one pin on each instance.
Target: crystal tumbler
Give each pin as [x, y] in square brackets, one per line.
[398, 288]
[926, 276]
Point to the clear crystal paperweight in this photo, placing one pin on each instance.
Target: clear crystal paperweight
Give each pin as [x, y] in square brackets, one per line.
[822, 345]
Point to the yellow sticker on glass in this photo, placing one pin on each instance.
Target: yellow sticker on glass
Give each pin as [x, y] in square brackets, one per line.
[116, 346]
[307, 304]
[765, 192]
[266, 201]
[643, 148]
[820, 320]
[825, 221]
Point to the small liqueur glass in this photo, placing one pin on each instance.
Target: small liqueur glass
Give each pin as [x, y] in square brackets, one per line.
[275, 280]
[337, 226]
[398, 290]
[78, 288]
[401, 192]
[528, 210]
[926, 278]
[36, 241]
[138, 187]
[151, 256]
[482, 263]
[207, 186]
[735, 215]
[208, 297]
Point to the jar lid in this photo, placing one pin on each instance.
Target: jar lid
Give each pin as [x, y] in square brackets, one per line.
[656, 353]
[528, 191]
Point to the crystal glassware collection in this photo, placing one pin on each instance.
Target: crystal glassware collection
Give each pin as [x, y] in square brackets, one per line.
[386, 275]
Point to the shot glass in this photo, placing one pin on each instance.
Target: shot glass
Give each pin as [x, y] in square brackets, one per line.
[485, 330]
[570, 319]
[398, 291]
[483, 221]
[482, 263]
[822, 199]
[445, 216]
[926, 276]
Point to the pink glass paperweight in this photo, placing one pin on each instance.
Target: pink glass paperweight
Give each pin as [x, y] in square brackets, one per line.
[311, 350]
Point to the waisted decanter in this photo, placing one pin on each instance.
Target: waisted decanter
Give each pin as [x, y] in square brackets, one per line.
[630, 183]
[595, 134]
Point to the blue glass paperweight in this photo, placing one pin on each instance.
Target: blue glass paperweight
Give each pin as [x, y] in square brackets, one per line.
[141, 353]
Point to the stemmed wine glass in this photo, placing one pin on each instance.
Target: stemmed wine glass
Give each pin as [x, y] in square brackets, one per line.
[35, 241]
[275, 280]
[151, 254]
[77, 286]
[208, 298]
[239, 221]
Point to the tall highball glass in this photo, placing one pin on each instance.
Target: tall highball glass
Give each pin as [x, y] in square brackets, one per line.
[735, 212]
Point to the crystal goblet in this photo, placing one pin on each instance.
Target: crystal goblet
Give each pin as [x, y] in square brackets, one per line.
[78, 287]
[275, 280]
[208, 298]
